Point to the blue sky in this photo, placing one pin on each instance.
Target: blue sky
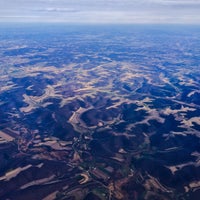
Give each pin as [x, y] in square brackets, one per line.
[101, 11]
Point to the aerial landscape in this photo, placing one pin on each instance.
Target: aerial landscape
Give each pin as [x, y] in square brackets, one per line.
[99, 111]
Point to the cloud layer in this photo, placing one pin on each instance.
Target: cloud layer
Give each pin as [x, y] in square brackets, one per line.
[101, 11]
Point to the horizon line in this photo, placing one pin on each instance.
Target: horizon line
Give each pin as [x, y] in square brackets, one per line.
[98, 23]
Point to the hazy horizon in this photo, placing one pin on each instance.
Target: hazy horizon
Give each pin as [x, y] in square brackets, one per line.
[101, 11]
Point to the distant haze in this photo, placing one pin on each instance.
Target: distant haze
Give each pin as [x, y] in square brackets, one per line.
[101, 11]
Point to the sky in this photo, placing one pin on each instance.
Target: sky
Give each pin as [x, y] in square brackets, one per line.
[101, 11]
